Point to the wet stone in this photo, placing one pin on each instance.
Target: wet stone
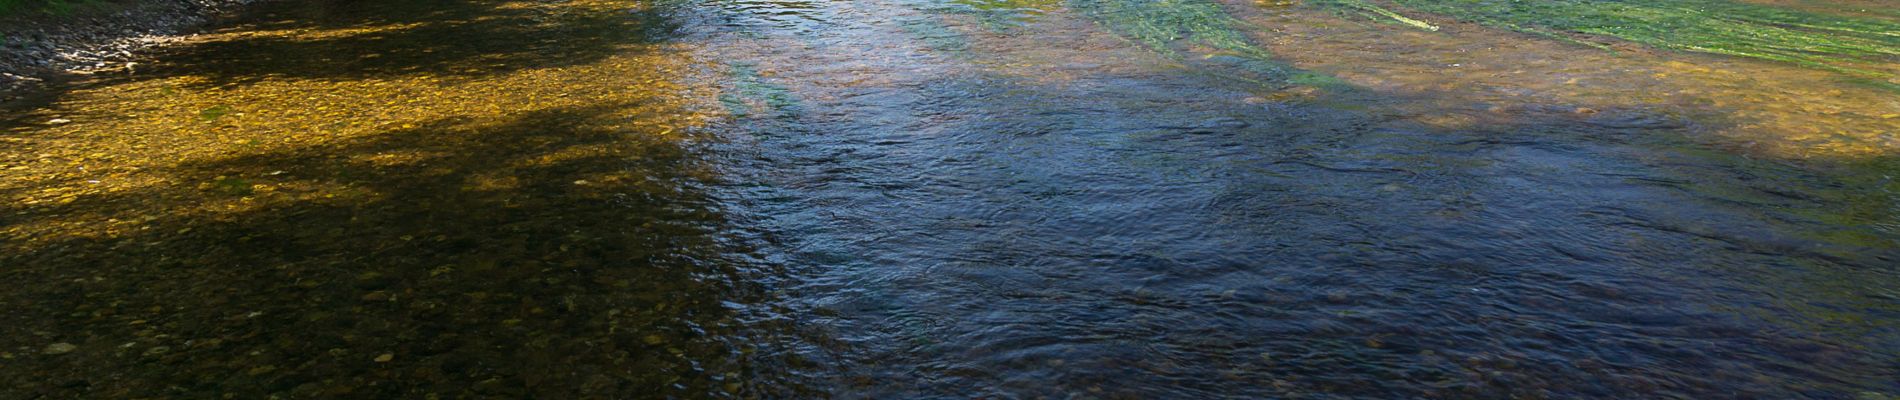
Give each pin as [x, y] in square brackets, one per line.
[158, 351]
[59, 348]
[376, 296]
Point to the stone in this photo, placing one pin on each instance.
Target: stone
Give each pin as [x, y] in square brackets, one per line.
[157, 351]
[59, 348]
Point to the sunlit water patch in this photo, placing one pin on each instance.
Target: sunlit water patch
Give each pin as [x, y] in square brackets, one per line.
[420, 199]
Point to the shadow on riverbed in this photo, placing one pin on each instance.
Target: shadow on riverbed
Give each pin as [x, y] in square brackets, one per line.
[353, 40]
[322, 204]
[536, 257]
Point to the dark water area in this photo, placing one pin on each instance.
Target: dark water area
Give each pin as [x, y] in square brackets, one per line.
[945, 199]
[1046, 209]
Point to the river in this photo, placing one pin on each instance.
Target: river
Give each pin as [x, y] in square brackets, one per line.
[949, 199]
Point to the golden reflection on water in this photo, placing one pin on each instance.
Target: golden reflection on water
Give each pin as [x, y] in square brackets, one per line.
[463, 198]
[135, 133]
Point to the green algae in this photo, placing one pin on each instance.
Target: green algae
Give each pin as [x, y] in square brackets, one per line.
[1198, 33]
[1158, 24]
[213, 113]
[999, 15]
[1174, 28]
[752, 95]
[1375, 12]
[1831, 42]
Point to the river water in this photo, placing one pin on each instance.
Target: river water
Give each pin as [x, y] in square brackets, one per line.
[949, 199]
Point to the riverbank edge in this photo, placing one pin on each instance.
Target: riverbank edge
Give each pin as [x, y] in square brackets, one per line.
[37, 48]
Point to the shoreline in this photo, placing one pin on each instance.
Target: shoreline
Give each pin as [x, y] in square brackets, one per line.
[36, 48]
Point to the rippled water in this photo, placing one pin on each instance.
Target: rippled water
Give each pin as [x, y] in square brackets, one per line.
[1053, 209]
[958, 199]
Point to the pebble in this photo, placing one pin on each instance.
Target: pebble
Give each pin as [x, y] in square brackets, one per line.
[59, 348]
[158, 351]
[59, 121]
[386, 357]
[376, 296]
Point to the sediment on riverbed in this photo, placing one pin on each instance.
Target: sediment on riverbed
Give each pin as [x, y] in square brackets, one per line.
[41, 43]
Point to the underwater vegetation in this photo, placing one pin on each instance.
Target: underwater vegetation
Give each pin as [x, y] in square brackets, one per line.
[1001, 14]
[1157, 23]
[1165, 26]
[1858, 46]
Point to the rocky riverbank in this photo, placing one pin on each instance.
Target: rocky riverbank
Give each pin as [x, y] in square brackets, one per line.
[35, 47]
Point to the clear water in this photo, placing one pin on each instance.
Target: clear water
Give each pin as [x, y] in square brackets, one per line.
[955, 199]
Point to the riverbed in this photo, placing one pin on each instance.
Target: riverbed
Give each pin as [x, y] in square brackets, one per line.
[958, 199]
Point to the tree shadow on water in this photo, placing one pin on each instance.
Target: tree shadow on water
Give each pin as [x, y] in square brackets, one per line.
[350, 40]
[548, 254]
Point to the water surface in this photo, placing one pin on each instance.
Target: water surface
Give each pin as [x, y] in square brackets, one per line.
[949, 199]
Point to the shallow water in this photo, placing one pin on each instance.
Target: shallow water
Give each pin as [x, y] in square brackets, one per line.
[947, 199]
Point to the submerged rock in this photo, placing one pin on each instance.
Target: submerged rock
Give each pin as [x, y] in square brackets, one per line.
[59, 348]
